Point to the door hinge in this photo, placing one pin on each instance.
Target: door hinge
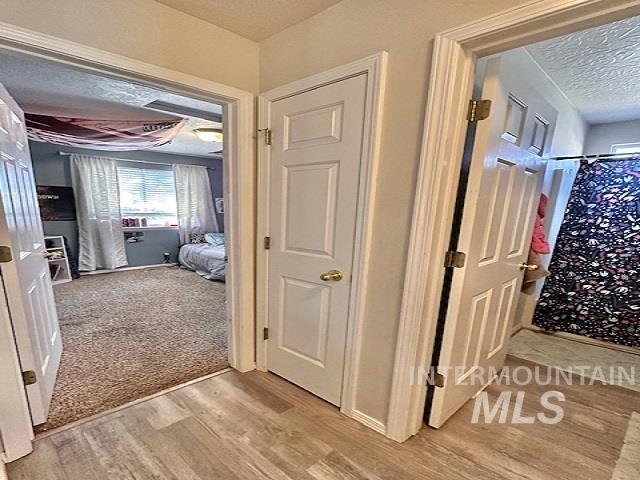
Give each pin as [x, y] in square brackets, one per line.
[454, 259]
[5, 254]
[267, 243]
[265, 333]
[437, 380]
[29, 377]
[478, 110]
[267, 135]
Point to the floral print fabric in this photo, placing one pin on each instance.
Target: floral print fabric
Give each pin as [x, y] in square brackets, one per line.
[594, 287]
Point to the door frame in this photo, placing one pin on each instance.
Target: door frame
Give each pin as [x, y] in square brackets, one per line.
[239, 181]
[450, 88]
[374, 67]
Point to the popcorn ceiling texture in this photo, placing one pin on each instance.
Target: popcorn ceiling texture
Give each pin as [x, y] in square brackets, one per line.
[595, 68]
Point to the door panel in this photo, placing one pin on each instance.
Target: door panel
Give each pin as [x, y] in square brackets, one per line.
[26, 278]
[506, 305]
[315, 164]
[504, 185]
[310, 188]
[309, 304]
[317, 126]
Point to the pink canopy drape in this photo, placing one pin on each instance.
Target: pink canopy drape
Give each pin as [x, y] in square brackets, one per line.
[115, 135]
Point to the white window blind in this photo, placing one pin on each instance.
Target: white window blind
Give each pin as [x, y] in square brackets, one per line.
[623, 148]
[148, 193]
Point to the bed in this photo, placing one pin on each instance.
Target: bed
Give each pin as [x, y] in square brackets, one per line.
[207, 258]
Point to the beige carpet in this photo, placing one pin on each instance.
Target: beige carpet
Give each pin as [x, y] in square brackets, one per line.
[130, 334]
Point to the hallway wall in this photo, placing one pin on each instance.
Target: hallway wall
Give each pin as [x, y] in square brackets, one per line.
[144, 30]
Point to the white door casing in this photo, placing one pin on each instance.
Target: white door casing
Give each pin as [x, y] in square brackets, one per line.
[505, 180]
[26, 277]
[317, 139]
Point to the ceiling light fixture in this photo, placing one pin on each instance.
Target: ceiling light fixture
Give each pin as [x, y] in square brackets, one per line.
[209, 134]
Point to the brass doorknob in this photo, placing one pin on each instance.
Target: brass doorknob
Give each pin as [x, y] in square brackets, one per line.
[332, 276]
[529, 267]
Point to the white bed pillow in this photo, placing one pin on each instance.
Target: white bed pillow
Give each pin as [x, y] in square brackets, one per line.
[216, 239]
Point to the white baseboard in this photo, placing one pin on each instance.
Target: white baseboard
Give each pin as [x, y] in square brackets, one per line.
[370, 422]
[126, 269]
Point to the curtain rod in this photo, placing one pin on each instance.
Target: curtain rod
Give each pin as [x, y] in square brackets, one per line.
[138, 161]
[601, 156]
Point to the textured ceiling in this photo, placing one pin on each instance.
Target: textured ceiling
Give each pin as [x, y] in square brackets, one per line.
[253, 19]
[598, 69]
[49, 88]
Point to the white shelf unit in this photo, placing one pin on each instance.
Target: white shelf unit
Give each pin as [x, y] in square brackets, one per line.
[58, 260]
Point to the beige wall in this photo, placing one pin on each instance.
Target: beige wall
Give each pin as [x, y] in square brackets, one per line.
[144, 30]
[354, 29]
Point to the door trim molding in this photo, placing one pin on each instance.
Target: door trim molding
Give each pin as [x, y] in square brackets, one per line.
[454, 55]
[374, 67]
[239, 166]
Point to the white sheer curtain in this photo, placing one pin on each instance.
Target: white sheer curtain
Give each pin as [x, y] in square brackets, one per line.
[195, 202]
[95, 185]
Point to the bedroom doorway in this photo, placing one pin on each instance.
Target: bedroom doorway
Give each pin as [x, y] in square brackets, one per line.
[142, 303]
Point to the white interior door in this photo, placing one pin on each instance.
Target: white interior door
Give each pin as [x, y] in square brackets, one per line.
[26, 276]
[315, 162]
[505, 180]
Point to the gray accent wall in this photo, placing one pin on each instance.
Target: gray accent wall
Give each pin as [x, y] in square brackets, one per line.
[52, 169]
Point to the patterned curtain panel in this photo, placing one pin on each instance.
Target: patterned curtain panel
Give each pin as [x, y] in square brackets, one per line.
[594, 287]
[112, 135]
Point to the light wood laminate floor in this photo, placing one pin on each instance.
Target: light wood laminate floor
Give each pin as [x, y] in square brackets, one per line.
[568, 354]
[258, 426]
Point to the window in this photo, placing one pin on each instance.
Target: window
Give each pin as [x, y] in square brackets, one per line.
[149, 194]
[626, 148]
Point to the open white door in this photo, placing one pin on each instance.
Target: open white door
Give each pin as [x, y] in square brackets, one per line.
[504, 184]
[16, 429]
[316, 153]
[24, 268]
